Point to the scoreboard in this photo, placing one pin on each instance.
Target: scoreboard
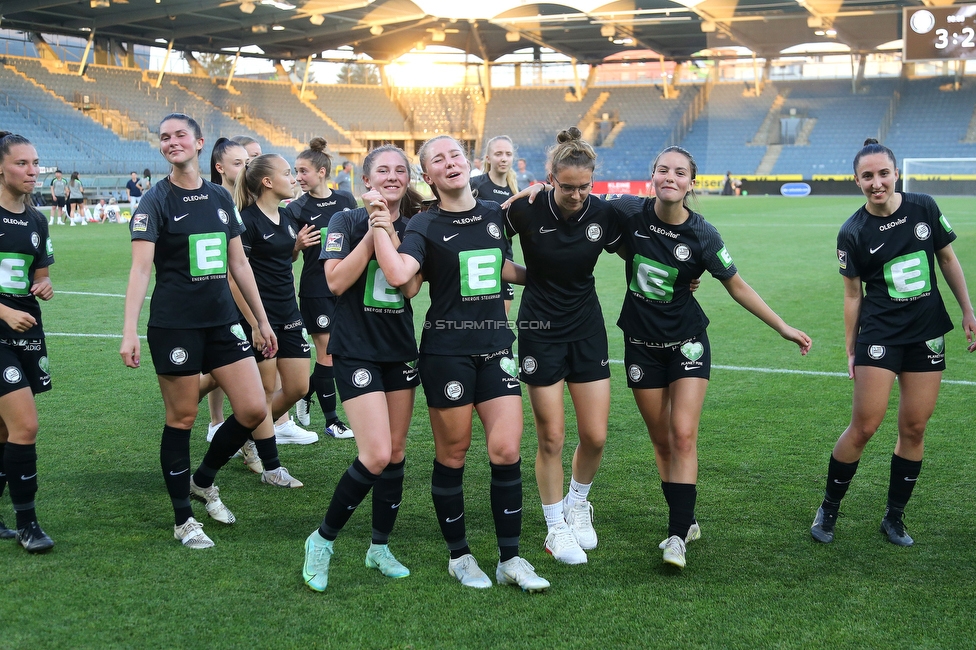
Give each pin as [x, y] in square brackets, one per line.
[939, 33]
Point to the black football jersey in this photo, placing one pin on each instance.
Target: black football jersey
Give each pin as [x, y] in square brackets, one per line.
[308, 210]
[269, 248]
[662, 260]
[560, 302]
[373, 320]
[191, 229]
[25, 246]
[894, 257]
[461, 255]
[488, 191]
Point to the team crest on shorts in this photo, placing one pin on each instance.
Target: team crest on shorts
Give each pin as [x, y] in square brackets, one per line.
[937, 345]
[322, 321]
[682, 253]
[494, 230]
[594, 232]
[634, 372]
[693, 351]
[529, 365]
[238, 331]
[508, 365]
[922, 231]
[223, 216]
[453, 390]
[876, 351]
[12, 374]
[35, 240]
[44, 365]
[361, 378]
[178, 356]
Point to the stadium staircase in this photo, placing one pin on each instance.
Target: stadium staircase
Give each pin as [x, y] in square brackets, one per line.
[354, 145]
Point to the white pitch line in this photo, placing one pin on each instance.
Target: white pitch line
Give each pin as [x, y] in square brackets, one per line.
[90, 293]
[87, 336]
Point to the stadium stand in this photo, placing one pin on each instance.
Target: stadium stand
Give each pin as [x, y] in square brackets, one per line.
[931, 122]
[359, 108]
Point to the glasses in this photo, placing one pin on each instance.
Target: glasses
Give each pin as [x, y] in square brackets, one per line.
[573, 189]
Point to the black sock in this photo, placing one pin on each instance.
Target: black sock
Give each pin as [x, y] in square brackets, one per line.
[20, 465]
[387, 495]
[839, 476]
[506, 507]
[904, 474]
[682, 508]
[230, 437]
[323, 382]
[349, 493]
[3, 474]
[268, 452]
[447, 490]
[666, 490]
[174, 458]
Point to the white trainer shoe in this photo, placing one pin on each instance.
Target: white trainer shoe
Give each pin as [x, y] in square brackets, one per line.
[303, 408]
[519, 572]
[280, 478]
[290, 433]
[191, 535]
[215, 507]
[579, 517]
[693, 533]
[338, 429]
[561, 544]
[212, 430]
[468, 573]
[674, 551]
[250, 453]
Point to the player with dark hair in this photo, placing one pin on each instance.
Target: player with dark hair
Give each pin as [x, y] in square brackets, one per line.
[188, 229]
[375, 354]
[460, 247]
[314, 208]
[895, 324]
[667, 354]
[25, 254]
[562, 339]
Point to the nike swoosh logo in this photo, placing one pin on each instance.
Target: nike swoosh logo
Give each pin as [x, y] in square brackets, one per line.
[511, 512]
[315, 217]
[45, 382]
[395, 506]
[411, 377]
[350, 507]
[446, 238]
[181, 216]
[842, 482]
[935, 361]
[269, 236]
[451, 521]
[605, 362]
[246, 348]
[511, 385]
[875, 250]
[27, 478]
[179, 472]
[910, 479]
[641, 236]
[544, 230]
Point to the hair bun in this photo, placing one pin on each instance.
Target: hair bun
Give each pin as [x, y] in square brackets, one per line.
[4, 134]
[318, 144]
[567, 135]
[870, 141]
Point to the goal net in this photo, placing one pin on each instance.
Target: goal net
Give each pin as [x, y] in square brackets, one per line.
[939, 176]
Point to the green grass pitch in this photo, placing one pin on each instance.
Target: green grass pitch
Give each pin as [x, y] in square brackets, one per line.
[117, 578]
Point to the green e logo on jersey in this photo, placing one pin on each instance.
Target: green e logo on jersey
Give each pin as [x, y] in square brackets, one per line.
[653, 280]
[481, 271]
[945, 223]
[907, 276]
[724, 257]
[13, 273]
[378, 292]
[208, 254]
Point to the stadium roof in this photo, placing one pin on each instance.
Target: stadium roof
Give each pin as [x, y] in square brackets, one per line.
[588, 30]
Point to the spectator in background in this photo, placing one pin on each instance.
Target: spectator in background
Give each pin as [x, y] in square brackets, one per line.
[59, 198]
[112, 211]
[732, 186]
[523, 178]
[133, 192]
[476, 168]
[76, 200]
[146, 181]
[344, 178]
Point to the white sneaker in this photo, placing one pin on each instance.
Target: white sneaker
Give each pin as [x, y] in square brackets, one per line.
[561, 544]
[250, 453]
[693, 533]
[280, 478]
[519, 572]
[338, 429]
[468, 573]
[215, 507]
[579, 517]
[212, 430]
[303, 409]
[191, 535]
[290, 433]
[674, 551]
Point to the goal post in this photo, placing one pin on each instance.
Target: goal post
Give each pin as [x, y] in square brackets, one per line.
[939, 176]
